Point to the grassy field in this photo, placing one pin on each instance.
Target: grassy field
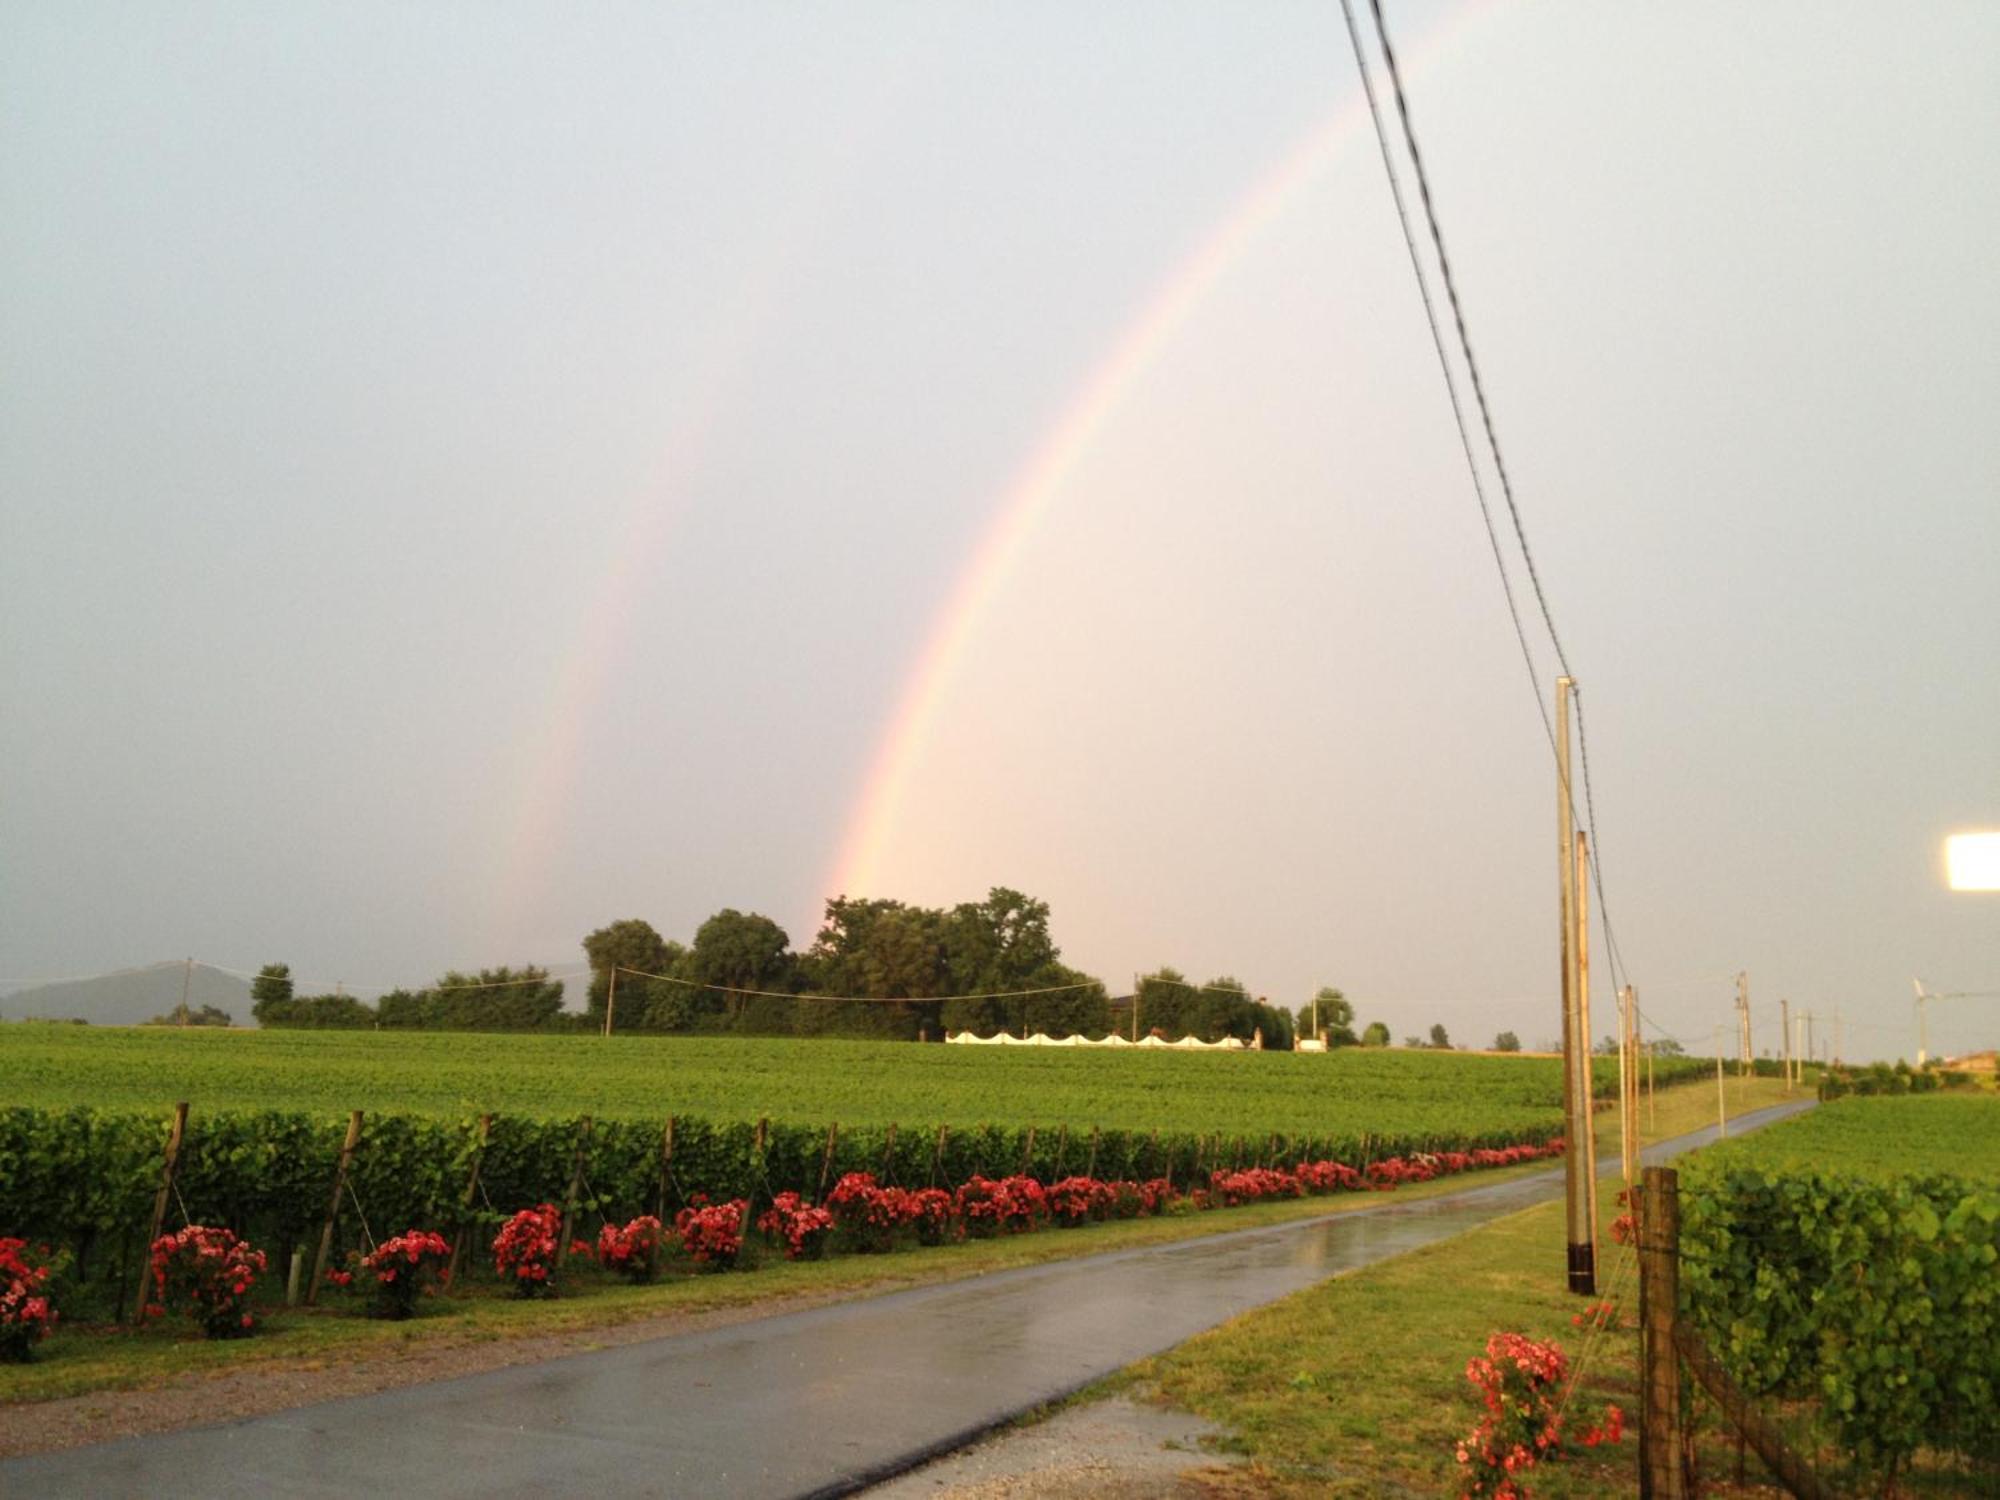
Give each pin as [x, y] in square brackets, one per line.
[857, 1083]
[1883, 1136]
[1357, 1387]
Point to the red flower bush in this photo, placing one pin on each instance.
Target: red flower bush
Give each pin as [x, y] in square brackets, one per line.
[26, 1314]
[1252, 1184]
[867, 1215]
[1013, 1205]
[207, 1273]
[525, 1252]
[712, 1232]
[1519, 1380]
[633, 1249]
[404, 1268]
[797, 1225]
[1078, 1200]
[931, 1212]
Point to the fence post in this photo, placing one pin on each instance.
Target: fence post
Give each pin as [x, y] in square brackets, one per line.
[1659, 1223]
[889, 1153]
[666, 1168]
[937, 1157]
[575, 1186]
[169, 1165]
[1062, 1152]
[826, 1160]
[757, 1163]
[465, 1203]
[1091, 1170]
[1028, 1151]
[333, 1207]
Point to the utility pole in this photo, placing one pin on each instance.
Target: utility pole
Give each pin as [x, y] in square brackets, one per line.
[1628, 1083]
[1837, 1050]
[1785, 1039]
[1809, 1041]
[187, 979]
[611, 1000]
[1742, 1025]
[1581, 1226]
[1588, 1104]
[1721, 1109]
[1923, 1024]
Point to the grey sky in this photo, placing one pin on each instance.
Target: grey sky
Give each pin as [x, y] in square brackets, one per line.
[471, 473]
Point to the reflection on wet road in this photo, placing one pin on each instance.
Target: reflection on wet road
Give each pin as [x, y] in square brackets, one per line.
[804, 1403]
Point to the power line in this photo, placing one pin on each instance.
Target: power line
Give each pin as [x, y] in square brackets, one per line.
[725, 989]
[1613, 954]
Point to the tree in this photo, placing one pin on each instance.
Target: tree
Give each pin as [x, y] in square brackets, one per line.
[501, 999]
[1440, 1039]
[628, 944]
[208, 1015]
[734, 951]
[1506, 1042]
[1376, 1034]
[1336, 1018]
[271, 987]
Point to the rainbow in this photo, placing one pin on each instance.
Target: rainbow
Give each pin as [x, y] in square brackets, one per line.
[858, 868]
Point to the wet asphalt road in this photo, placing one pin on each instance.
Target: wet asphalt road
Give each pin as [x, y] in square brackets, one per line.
[819, 1402]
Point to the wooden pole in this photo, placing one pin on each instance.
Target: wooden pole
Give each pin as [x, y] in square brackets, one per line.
[1091, 1170]
[1792, 1471]
[666, 1168]
[169, 1164]
[187, 979]
[1589, 1101]
[1624, 1099]
[333, 1207]
[937, 1156]
[575, 1187]
[1660, 1471]
[1062, 1149]
[458, 1240]
[1652, 1100]
[1785, 1039]
[1579, 1225]
[757, 1161]
[1721, 1107]
[1028, 1151]
[826, 1160]
[611, 1000]
[889, 1153]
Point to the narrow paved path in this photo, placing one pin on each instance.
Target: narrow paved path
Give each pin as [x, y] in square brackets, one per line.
[810, 1403]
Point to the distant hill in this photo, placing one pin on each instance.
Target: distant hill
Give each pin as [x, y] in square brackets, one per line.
[130, 997]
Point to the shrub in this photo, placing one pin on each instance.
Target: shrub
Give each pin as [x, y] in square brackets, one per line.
[1078, 1200]
[208, 1274]
[525, 1252]
[931, 1212]
[712, 1232]
[797, 1225]
[633, 1250]
[1520, 1382]
[26, 1314]
[867, 1215]
[404, 1268]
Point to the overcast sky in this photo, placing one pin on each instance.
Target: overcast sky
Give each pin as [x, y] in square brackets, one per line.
[472, 473]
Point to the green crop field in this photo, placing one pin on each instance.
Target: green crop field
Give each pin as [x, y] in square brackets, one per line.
[1881, 1136]
[1387, 1092]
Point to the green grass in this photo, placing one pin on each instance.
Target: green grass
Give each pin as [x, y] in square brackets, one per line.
[1882, 1135]
[857, 1083]
[1357, 1386]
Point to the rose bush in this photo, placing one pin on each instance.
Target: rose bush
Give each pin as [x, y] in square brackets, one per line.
[712, 1233]
[208, 1273]
[1520, 1382]
[525, 1252]
[796, 1225]
[632, 1249]
[26, 1313]
[405, 1268]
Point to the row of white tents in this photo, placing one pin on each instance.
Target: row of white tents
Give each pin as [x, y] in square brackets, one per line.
[1043, 1039]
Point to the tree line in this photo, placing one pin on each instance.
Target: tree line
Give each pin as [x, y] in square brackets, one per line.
[876, 968]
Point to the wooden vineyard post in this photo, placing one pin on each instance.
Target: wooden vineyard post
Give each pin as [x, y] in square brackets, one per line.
[1271, 1156]
[458, 1241]
[333, 1207]
[169, 1165]
[757, 1165]
[826, 1161]
[1660, 1473]
[889, 1153]
[1091, 1170]
[575, 1187]
[937, 1156]
[1062, 1150]
[1028, 1151]
[666, 1168]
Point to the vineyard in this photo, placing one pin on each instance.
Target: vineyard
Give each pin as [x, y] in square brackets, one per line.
[1344, 1093]
[1847, 1265]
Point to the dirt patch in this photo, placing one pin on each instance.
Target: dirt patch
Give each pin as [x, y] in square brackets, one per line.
[210, 1398]
[1114, 1448]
